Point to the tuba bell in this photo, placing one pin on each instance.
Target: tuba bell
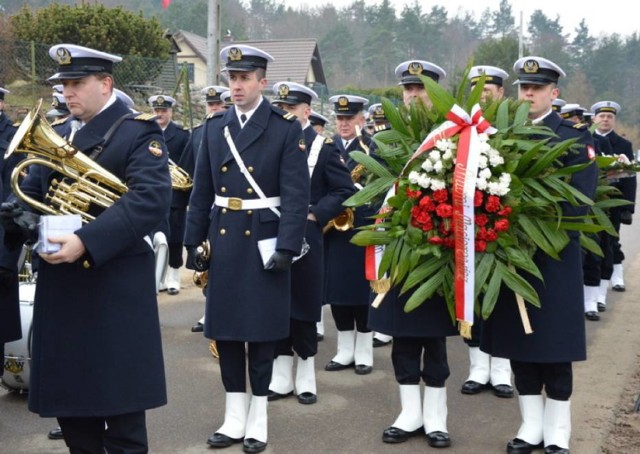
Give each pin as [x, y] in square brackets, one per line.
[83, 184]
[180, 179]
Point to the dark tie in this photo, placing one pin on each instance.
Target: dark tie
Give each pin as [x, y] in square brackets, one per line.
[243, 119]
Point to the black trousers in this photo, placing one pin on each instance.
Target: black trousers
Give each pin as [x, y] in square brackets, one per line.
[555, 378]
[233, 366]
[177, 221]
[406, 353]
[124, 434]
[616, 247]
[348, 316]
[302, 339]
[595, 267]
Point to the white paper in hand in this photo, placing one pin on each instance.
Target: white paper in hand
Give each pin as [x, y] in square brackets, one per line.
[52, 226]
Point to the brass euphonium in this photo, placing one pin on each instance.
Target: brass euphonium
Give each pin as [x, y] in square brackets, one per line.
[180, 179]
[201, 278]
[83, 183]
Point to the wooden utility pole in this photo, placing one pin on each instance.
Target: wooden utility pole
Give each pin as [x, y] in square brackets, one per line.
[213, 43]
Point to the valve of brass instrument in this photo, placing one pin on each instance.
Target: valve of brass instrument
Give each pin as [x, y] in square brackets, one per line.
[180, 179]
[342, 222]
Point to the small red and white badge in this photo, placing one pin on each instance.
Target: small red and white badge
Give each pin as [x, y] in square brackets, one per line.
[591, 152]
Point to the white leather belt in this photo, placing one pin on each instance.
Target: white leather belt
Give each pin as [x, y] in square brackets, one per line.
[236, 204]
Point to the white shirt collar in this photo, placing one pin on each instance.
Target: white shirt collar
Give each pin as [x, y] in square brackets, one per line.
[248, 114]
[539, 119]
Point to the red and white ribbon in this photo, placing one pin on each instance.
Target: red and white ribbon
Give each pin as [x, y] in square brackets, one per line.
[464, 185]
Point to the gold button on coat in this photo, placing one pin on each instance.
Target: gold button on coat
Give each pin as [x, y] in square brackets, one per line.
[250, 169]
[247, 233]
[224, 210]
[249, 212]
[223, 231]
[224, 169]
[223, 189]
[86, 265]
[249, 191]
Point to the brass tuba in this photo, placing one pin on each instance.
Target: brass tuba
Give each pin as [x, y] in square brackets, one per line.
[84, 183]
[180, 179]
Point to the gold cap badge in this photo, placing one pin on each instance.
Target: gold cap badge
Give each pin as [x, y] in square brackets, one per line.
[415, 68]
[283, 91]
[531, 67]
[235, 54]
[212, 92]
[63, 56]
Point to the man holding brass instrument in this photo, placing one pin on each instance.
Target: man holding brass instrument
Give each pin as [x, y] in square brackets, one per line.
[96, 294]
[250, 200]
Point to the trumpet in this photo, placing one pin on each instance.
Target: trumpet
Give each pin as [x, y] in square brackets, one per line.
[84, 184]
[180, 179]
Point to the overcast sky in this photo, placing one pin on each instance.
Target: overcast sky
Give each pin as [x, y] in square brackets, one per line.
[608, 16]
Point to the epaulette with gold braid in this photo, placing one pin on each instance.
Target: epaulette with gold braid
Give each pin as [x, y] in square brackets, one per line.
[146, 117]
[328, 140]
[289, 116]
[581, 126]
[379, 128]
[60, 121]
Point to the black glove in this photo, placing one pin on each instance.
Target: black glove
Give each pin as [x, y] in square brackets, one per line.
[195, 260]
[279, 261]
[15, 219]
[626, 217]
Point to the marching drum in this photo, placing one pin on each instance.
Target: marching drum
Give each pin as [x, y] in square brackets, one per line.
[17, 354]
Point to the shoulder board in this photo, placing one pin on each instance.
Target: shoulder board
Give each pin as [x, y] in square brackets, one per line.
[379, 128]
[581, 126]
[60, 121]
[214, 115]
[328, 140]
[286, 115]
[144, 117]
[184, 128]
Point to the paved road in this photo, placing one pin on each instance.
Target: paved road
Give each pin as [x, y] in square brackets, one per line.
[353, 410]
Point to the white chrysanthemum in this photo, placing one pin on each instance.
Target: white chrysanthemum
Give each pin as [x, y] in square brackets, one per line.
[483, 161]
[447, 155]
[484, 147]
[437, 184]
[481, 184]
[435, 156]
[437, 167]
[505, 178]
[414, 177]
[494, 158]
[485, 173]
[424, 181]
[427, 165]
[483, 136]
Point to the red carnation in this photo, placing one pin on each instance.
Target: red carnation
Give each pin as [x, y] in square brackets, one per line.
[427, 204]
[481, 246]
[501, 225]
[481, 220]
[482, 234]
[413, 194]
[491, 235]
[493, 204]
[444, 210]
[441, 195]
[506, 211]
[436, 240]
[477, 199]
[449, 242]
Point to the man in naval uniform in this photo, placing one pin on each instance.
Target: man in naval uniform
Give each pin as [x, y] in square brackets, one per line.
[558, 104]
[111, 265]
[330, 186]
[420, 335]
[250, 200]
[572, 112]
[176, 139]
[59, 107]
[214, 103]
[485, 371]
[10, 328]
[318, 121]
[543, 359]
[346, 288]
[606, 138]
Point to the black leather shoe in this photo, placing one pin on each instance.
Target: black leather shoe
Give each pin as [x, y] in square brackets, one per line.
[197, 328]
[361, 369]
[55, 434]
[333, 366]
[218, 440]
[378, 343]
[518, 446]
[307, 398]
[553, 449]
[438, 439]
[253, 445]
[472, 387]
[618, 288]
[396, 435]
[592, 316]
[503, 391]
[602, 307]
[320, 337]
[277, 396]
[173, 291]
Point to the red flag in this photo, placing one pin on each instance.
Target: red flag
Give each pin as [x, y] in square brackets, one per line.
[165, 4]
